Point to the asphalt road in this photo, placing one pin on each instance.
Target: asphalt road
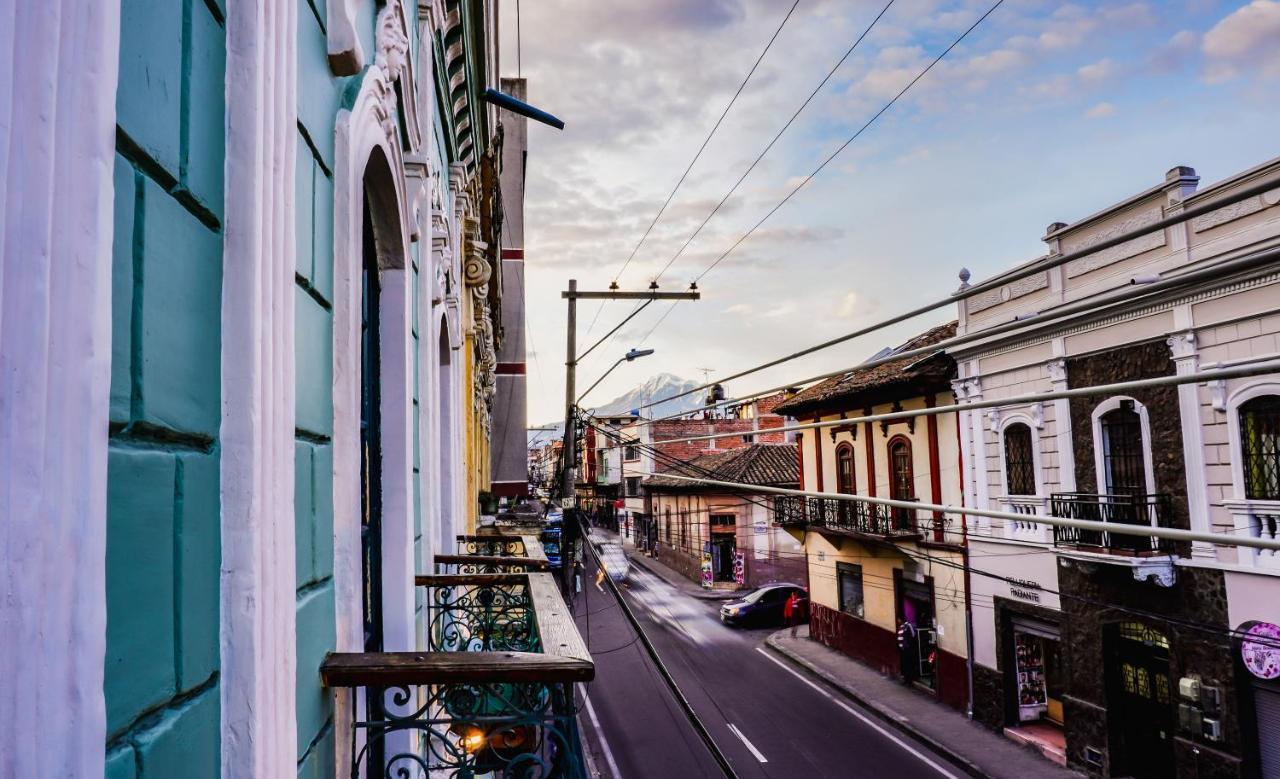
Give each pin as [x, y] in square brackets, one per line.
[768, 719]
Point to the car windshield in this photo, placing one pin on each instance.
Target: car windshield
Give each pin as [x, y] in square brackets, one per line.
[758, 594]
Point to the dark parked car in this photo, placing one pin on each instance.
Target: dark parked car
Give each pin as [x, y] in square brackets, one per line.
[763, 606]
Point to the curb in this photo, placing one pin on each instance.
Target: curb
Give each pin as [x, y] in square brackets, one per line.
[683, 584]
[881, 712]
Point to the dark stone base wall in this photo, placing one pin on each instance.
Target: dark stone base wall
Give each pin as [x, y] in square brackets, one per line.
[988, 697]
[758, 572]
[1192, 615]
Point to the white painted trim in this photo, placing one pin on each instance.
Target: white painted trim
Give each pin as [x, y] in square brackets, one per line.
[258, 608]
[346, 55]
[1185, 354]
[1020, 418]
[1240, 506]
[367, 127]
[57, 146]
[1099, 464]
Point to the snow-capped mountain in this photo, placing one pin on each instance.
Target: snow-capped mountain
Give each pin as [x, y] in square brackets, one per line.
[656, 388]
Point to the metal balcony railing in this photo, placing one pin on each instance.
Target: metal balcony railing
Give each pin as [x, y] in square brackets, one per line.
[1153, 510]
[494, 554]
[495, 695]
[845, 515]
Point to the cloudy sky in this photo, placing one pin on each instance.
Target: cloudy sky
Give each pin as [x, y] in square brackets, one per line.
[1047, 112]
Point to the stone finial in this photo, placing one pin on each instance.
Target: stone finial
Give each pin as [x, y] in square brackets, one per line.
[1180, 183]
[1053, 228]
[1180, 171]
[964, 278]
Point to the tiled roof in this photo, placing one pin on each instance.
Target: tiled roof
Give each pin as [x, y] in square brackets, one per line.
[773, 465]
[864, 383]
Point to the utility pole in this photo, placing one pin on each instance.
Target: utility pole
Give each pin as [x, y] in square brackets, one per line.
[569, 528]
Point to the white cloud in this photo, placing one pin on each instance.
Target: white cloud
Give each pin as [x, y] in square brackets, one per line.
[1097, 72]
[1247, 39]
[1101, 111]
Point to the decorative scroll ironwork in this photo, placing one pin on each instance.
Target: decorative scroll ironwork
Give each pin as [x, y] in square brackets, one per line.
[853, 516]
[482, 618]
[465, 730]
[1127, 509]
[515, 566]
[492, 546]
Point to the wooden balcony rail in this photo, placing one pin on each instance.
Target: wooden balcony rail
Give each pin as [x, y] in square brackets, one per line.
[496, 696]
[1154, 510]
[494, 554]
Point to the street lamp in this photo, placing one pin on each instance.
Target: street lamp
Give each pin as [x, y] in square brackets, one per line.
[628, 357]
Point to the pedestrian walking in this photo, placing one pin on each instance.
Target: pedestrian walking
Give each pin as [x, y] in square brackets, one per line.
[791, 612]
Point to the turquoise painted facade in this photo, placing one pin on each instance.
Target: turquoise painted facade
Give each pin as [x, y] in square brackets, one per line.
[162, 661]
[163, 666]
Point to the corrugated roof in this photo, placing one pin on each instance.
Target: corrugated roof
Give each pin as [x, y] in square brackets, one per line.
[773, 465]
[861, 383]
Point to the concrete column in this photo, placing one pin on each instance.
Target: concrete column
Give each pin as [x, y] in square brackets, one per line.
[1186, 358]
[57, 144]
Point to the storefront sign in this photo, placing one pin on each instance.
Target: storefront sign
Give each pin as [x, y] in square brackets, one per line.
[1025, 589]
[761, 527]
[1260, 650]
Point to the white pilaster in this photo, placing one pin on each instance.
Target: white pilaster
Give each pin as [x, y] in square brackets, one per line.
[1057, 369]
[1186, 358]
[257, 637]
[57, 141]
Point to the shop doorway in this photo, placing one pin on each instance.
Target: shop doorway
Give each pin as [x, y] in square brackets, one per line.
[1037, 665]
[917, 635]
[1141, 707]
[724, 546]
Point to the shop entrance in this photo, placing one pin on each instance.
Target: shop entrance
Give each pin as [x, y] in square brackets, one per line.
[724, 546]
[1141, 701]
[1037, 664]
[917, 636]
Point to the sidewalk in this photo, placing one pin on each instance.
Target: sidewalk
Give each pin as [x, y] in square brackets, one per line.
[665, 572]
[976, 750]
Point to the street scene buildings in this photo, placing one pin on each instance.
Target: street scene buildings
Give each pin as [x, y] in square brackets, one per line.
[289, 484]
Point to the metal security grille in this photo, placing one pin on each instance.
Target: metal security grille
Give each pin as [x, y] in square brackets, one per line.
[1122, 450]
[1019, 465]
[1260, 447]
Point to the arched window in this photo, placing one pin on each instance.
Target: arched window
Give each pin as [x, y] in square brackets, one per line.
[902, 480]
[1123, 462]
[1260, 447]
[1019, 460]
[844, 469]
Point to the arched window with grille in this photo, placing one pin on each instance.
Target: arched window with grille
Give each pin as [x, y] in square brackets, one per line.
[1019, 460]
[844, 469]
[1259, 420]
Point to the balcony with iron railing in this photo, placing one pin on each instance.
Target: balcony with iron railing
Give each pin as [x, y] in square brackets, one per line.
[493, 693]
[851, 517]
[1147, 510]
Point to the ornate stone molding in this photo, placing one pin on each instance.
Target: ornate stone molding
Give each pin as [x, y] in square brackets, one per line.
[1122, 251]
[476, 273]
[395, 59]
[1182, 346]
[1004, 294]
[1237, 210]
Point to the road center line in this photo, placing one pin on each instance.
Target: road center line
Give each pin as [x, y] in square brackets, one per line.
[873, 724]
[604, 743]
[750, 746]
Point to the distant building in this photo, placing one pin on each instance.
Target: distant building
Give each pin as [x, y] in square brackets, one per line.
[887, 583]
[719, 536]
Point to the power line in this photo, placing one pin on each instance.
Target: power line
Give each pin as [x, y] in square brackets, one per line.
[696, 156]
[1031, 269]
[1122, 299]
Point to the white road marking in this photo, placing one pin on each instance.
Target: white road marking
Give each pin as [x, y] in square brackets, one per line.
[604, 743]
[750, 746]
[881, 730]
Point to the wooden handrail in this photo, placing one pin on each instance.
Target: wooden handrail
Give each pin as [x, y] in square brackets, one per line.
[496, 561]
[387, 669]
[444, 580]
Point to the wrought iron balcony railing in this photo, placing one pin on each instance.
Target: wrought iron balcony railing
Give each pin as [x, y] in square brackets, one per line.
[844, 515]
[1127, 509]
[495, 695]
[494, 554]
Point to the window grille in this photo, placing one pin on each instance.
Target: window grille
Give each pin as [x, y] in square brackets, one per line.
[1125, 468]
[1019, 463]
[1260, 447]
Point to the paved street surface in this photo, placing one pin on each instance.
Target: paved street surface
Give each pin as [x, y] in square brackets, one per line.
[767, 718]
